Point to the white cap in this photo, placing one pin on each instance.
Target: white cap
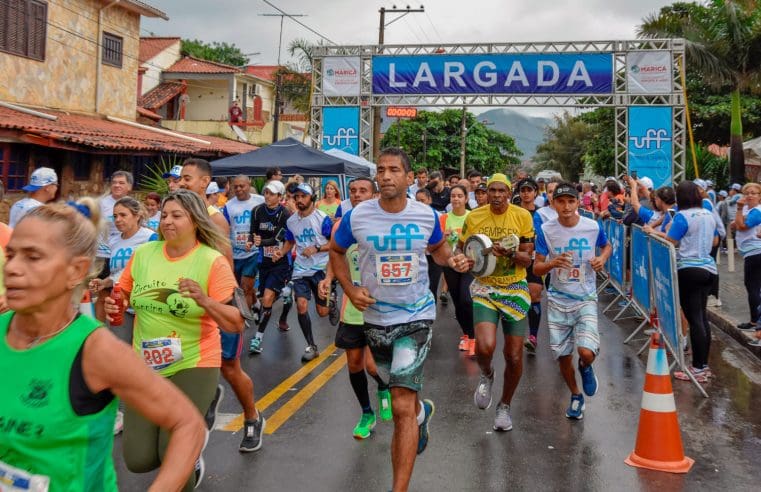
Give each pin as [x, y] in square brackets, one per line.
[212, 188]
[737, 186]
[276, 187]
[723, 193]
[646, 182]
[709, 183]
[701, 184]
[41, 177]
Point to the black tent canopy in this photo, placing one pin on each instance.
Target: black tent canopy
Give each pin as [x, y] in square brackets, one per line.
[292, 157]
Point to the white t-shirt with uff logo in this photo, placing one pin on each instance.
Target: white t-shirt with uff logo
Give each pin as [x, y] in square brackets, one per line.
[570, 286]
[238, 215]
[123, 249]
[312, 230]
[392, 260]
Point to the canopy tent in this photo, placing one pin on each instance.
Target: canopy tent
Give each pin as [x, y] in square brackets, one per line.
[292, 157]
[753, 145]
[352, 158]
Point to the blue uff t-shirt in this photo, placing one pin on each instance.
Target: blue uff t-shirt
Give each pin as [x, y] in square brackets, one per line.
[694, 229]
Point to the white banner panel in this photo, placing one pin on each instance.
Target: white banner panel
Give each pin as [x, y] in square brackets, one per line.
[649, 72]
[340, 76]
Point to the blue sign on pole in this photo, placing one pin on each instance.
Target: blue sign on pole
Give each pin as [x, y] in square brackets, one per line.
[521, 73]
[663, 263]
[640, 268]
[617, 238]
[340, 128]
[650, 146]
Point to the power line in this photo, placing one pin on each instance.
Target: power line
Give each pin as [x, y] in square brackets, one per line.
[433, 26]
[298, 22]
[280, 42]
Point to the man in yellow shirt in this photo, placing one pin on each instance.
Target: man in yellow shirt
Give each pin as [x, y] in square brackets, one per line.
[503, 295]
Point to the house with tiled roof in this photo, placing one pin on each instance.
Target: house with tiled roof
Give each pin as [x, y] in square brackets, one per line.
[69, 93]
[156, 54]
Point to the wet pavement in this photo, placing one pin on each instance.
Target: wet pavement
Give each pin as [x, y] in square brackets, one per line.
[314, 411]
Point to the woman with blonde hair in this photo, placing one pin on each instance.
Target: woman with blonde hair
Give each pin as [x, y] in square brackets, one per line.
[748, 226]
[180, 287]
[74, 370]
[331, 199]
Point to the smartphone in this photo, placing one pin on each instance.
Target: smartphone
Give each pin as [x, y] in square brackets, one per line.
[633, 174]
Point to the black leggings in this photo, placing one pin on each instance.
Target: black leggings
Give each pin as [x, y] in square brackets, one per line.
[434, 276]
[459, 289]
[753, 286]
[694, 287]
[715, 283]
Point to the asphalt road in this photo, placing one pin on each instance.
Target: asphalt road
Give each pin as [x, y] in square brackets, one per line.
[312, 411]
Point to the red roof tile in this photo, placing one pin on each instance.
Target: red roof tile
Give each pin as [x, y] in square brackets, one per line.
[150, 47]
[265, 72]
[191, 64]
[95, 133]
[160, 95]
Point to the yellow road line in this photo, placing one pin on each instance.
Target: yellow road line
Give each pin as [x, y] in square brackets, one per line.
[286, 411]
[236, 424]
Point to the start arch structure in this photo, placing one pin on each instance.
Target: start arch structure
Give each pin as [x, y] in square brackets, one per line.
[638, 78]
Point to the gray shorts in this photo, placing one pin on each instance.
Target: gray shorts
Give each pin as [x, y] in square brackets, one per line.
[400, 351]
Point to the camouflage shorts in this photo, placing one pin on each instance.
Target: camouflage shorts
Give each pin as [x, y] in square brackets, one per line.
[400, 351]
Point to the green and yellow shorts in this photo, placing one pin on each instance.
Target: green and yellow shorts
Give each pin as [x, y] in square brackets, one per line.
[508, 303]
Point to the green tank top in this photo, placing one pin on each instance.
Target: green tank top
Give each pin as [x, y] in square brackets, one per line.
[454, 224]
[172, 332]
[40, 433]
[351, 315]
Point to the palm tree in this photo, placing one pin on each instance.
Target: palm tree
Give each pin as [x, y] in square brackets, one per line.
[295, 79]
[723, 42]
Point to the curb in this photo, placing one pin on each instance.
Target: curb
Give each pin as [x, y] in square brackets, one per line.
[728, 325]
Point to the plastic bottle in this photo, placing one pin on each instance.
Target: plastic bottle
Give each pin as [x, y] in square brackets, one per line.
[116, 294]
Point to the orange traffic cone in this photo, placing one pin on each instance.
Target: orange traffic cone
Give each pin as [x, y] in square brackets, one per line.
[659, 442]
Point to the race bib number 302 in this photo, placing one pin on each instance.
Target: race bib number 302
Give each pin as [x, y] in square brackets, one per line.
[395, 270]
[160, 353]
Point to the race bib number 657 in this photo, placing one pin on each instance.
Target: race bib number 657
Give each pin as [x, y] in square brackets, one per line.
[394, 270]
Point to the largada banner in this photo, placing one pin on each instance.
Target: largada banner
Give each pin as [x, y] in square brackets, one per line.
[524, 73]
[640, 256]
[650, 144]
[649, 72]
[340, 128]
[340, 76]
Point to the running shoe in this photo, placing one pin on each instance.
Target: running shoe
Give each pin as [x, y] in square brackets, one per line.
[482, 396]
[365, 426]
[255, 346]
[444, 298]
[384, 404]
[119, 423]
[334, 316]
[199, 471]
[756, 342]
[530, 345]
[464, 343]
[310, 353]
[588, 379]
[502, 421]
[422, 442]
[576, 408]
[211, 414]
[748, 327]
[713, 302]
[700, 375]
[609, 290]
[472, 347]
[283, 326]
[252, 435]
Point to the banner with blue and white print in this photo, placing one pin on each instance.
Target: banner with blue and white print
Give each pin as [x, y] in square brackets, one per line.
[519, 73]
[340, 128]
[665, 290]
[651, 146]
[640, 268]
[617, 237]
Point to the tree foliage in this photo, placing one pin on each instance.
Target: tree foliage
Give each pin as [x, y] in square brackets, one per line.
[564, 146]
[295, 78]
[229, 54]
[432, 140]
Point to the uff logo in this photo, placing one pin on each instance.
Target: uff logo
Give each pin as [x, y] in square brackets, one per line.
[399, 233]
[652, 139]
[243, 218]
[576, 246]
[307, 236]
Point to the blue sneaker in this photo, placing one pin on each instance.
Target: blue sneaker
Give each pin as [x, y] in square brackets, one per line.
[576, 408]
[429, 410]
[588, 380]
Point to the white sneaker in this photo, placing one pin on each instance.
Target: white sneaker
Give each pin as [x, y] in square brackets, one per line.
[713, 302]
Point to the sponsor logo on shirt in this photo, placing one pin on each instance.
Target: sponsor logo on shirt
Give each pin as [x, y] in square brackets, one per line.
[399, 232]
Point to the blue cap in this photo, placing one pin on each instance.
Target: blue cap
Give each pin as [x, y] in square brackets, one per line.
[41, 178]
[304, 188]
[175, 172]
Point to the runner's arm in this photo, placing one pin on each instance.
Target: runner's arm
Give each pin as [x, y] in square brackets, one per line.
[110, 364]
[224, 228]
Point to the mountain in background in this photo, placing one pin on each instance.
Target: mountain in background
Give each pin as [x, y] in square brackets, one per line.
[528, 131]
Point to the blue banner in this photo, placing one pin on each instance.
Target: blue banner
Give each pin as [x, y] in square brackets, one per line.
[617, 238]
[640, 268]
[663, 262]
[523, 73]
[340, 129]
[650, 147]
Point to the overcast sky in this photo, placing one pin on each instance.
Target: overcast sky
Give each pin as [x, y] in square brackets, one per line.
[356, 22]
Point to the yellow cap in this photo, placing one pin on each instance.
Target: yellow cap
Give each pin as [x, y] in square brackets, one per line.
[499, 178]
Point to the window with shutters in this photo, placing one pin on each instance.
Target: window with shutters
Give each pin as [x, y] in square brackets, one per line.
[112, 50]
[23, 27]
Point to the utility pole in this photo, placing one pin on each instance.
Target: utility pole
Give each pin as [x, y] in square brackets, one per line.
[278, 77]
[381, 39]
[463, 134]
